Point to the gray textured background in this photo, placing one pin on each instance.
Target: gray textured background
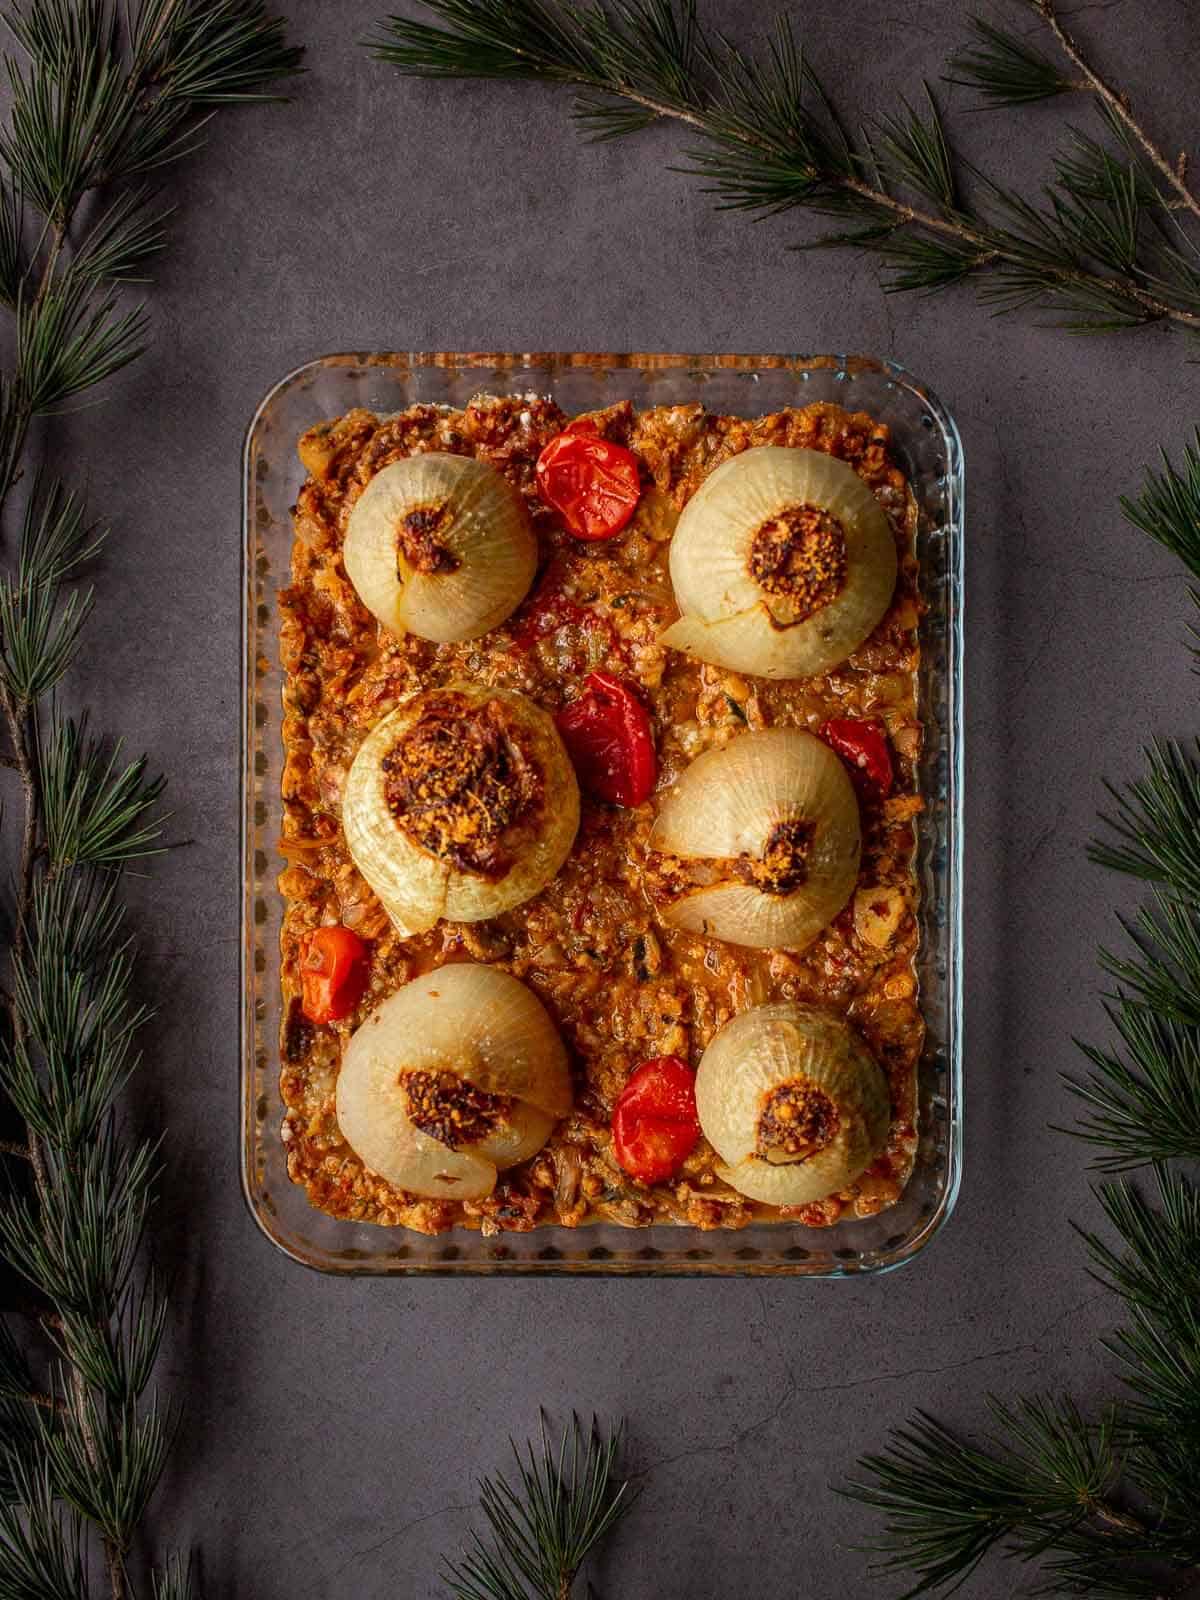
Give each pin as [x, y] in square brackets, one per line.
[331, 1427]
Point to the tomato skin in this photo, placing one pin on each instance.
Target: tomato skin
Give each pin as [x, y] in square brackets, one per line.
[333, 974]
[654, 1123]
[609, 739]
[862, 743]
[594, 484]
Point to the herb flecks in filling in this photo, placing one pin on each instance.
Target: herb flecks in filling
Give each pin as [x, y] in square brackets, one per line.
[460, 781]
[417, 543]
[451, 1110]
[799, 557]
[797, 1120]
[783, 865]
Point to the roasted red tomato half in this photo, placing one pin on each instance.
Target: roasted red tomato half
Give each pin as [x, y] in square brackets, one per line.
[595, 485]
[862, 744]
[609, 739]
[655, 1126]
[333, 974]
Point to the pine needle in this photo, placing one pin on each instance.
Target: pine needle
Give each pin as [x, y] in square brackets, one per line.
[543, 1527]
[1156, 820]
[1168, 508]
[948, 1504]
[1007, 70]
[96, 811]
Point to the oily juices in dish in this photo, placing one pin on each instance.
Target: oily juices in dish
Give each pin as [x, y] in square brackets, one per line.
[625, 985]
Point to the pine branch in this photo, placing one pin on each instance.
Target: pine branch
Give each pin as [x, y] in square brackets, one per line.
[1007, 70]
[543, 1527]
[1102, 249]
[41, 1547]
[1155, 821]
[77, 1241]
[174, 1582]
[107, 1461]
[107, 93]
[72, 986]
[1045, 1474]
[1116, 103]
[1157, 1270]
[1163, 974]
[96, 812]
[1168, 508]
[1141, 1102]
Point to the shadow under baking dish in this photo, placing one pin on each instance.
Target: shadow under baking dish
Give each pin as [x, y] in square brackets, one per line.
[928, 446]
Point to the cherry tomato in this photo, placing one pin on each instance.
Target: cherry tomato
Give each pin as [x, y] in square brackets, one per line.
[593, 483]
[333, 974]
[655, 1126]
[608, 737]
[863, 745]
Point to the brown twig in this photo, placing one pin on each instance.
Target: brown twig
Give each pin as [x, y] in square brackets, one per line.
[1173, 174]
[45, 1402]
[989, 250]
[1118, 1521]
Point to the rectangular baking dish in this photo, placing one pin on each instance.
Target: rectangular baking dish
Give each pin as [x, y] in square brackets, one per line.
[929, 448]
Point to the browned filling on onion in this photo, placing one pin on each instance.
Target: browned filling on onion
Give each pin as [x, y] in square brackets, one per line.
[416, 540]
[799, 556]
[462, 783]
[783, 865]
[449, 1109]
[797, 1120]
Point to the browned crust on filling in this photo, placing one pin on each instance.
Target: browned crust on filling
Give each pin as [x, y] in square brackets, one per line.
[450, 1109]
[619, 984]
[416, 541]
[800, 556]
[462, 783]
[797, 1120]
[783, 866]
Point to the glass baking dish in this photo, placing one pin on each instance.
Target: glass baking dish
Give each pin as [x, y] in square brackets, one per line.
[930, 451]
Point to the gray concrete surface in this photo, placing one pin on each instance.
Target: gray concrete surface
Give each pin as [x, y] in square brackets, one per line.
[331, 1429]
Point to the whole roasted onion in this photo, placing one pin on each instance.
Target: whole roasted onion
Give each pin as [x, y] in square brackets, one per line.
[441, 546]
[782, 563]
[793, 1102]
[776, 815]
[461, 803]
[457, 1075]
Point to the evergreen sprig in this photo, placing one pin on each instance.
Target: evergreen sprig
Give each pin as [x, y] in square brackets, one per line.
[1008, 70]
[1168, 508]
[1105, 1507]
[946, 1505]
[106, 93]
[542, 1528]
[1042, 1477]
[1110, 243]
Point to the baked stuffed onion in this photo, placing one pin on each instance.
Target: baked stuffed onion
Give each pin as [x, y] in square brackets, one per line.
[793, 1102]
[775, 819]
[461, 803]
[782, 563]
[455, 1077]
[441, 546]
